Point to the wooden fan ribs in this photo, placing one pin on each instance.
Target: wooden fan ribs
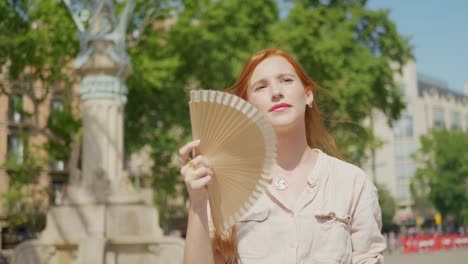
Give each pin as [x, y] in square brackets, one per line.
[240, 143]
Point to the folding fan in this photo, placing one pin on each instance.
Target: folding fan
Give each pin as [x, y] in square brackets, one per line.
[241, 145]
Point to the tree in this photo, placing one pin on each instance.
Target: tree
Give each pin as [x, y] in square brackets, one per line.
[39, 43]
[348, 49]
[178, 45]
[420, 195]
[24, 203]
[34, 55]
[199, 49]
[388, 207]
[444, 170]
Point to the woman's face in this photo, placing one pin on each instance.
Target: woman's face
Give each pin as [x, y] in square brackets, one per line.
[278, 93]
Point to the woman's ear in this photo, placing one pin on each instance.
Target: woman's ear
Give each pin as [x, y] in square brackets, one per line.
[309, 96]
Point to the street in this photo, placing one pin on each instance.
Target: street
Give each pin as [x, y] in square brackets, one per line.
[456, 256]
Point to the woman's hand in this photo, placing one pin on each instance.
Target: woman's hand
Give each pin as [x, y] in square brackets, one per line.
[197, 174]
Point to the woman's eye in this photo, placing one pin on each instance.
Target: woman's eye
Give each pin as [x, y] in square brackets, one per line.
[287, 80]
[260, 87]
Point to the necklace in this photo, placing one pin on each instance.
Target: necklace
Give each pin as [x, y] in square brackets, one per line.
[281, 183]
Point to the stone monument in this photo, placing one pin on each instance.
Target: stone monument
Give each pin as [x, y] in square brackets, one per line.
[102, 220]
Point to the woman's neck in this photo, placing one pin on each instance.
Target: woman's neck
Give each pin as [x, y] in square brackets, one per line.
[292, 148]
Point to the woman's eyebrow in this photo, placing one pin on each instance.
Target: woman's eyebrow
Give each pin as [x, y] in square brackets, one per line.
[281, 75]
[257, 81]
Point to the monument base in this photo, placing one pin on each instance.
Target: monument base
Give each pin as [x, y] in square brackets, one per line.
[122, 230]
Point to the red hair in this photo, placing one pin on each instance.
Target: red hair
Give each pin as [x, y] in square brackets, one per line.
[316, 133]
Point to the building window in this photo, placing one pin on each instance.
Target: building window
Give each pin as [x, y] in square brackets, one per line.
[58, 191]
[400, 171]
[402, 88]
[405, 170]
[412, 170]
[16, 148]
[56, 103]
[438, 117]
[403, 191]
[403, 151]
[455, 121]
[15, 108]
[403, 128]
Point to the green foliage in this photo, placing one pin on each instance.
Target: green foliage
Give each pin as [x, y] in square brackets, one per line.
[36, 34]
[177, 45]
[419, 194]
[20, 208]
[444, 172]
[215, 38]
[388, 207]
[63, 124]
[202, 49]
[347, 49]
[37, 42]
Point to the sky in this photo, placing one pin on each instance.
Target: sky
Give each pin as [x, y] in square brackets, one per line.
[438, 31]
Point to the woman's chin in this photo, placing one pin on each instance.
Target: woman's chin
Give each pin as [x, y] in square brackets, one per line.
[284, 126]
[288, 121]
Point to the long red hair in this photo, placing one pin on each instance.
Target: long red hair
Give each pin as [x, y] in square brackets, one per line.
[316, 133]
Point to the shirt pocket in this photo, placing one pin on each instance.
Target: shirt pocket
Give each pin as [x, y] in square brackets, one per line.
[253, 235]
[332, 243]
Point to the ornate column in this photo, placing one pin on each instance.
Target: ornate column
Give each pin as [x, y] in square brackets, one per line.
[103, 219]
[104, 65]
[103, 97]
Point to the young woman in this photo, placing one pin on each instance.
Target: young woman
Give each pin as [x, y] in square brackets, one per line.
[318, 208]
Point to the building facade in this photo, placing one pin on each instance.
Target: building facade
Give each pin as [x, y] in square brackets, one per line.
[430, 104]
[19, 131]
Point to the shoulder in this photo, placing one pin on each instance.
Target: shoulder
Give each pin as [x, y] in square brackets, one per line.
[344, 172]
[349, 182]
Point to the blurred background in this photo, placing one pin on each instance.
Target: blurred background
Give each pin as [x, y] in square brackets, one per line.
[395, 96]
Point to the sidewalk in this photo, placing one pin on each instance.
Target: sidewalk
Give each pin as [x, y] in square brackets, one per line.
[454, 256]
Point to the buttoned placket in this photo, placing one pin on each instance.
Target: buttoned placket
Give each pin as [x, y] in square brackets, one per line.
[305, 198]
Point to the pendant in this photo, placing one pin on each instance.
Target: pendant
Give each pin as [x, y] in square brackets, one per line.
[281, 184]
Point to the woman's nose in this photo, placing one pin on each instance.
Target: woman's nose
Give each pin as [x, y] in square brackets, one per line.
[276, 92]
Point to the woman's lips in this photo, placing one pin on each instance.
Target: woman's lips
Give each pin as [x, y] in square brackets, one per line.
[279, 107]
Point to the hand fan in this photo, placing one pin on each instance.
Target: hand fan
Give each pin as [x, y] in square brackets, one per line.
[241, 145]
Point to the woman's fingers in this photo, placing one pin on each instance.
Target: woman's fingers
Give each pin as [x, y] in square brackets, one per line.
[194, 174]
[195, 170]
[202, 172]
[201, 182]
[184, 152]
[200, 161]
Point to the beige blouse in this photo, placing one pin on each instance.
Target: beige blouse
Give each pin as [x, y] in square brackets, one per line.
[336, 219]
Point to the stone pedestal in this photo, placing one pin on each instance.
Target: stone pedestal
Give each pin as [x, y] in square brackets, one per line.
[103, 219]
[108, 233]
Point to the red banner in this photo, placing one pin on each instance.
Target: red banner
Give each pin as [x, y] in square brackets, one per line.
[433, 242]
